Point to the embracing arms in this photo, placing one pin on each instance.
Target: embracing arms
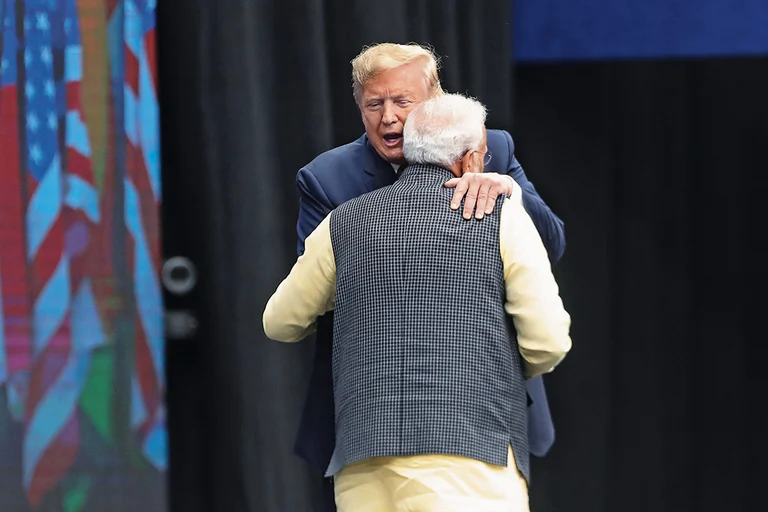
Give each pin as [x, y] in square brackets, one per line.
[532, 296]
[308, 292]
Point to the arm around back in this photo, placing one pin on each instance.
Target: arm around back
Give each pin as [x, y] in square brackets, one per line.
[314, 205]
[308, 292]
[532, 295]
[549, 225]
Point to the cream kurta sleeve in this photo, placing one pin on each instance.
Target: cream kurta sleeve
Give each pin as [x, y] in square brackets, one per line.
[308, 292]
[533, 300]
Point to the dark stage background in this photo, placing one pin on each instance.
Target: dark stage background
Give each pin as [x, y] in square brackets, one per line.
[654, 166]
[658, 170]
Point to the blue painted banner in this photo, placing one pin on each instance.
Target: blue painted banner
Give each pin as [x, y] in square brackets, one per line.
[552, 30]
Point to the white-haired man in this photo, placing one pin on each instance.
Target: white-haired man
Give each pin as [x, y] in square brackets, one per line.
[429, 390]
[388, 81]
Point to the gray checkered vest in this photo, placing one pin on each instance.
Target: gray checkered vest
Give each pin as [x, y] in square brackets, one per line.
[422, 358]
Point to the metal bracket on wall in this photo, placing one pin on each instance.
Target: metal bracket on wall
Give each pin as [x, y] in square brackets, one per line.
[179, 277]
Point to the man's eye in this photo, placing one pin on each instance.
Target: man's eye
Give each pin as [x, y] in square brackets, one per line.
[403, 103]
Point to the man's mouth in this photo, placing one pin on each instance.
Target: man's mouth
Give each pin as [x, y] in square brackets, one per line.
[392, 139]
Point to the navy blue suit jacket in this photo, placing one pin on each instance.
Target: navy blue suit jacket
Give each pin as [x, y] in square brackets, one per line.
[347, 172]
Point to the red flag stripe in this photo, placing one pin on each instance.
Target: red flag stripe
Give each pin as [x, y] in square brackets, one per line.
[131, 70]
[13, 260]
[79, 165]
[151, 51]
[146, 369]
[48, 256]
[55, 463]
[48, 365]
[73, 96]
[136, 171]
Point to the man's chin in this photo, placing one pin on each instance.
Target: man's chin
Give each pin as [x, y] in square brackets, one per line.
[397, 158]
[392, 155]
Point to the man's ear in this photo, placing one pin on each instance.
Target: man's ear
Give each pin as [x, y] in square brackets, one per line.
[467, 163]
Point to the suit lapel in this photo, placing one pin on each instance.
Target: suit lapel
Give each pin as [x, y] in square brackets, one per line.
[378, 172]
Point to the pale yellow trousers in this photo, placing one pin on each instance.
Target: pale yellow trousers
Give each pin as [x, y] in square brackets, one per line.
[430, 483]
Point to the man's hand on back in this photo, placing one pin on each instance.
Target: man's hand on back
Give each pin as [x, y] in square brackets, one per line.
[479, 191]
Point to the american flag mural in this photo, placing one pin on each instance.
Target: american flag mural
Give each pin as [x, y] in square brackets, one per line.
[142, 162]
[82, 418]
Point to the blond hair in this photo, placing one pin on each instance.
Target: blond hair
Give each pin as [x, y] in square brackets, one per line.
[384, 56]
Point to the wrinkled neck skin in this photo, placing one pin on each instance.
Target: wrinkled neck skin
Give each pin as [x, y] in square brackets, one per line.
[467, 164]
[457, 169]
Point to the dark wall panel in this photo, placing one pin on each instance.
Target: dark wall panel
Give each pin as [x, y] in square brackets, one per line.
[658, 170]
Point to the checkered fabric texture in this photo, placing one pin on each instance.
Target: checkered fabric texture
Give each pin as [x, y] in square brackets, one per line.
[423, 362]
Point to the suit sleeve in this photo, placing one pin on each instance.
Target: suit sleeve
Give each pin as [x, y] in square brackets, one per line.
[532, 296]
[308, 292]
[314, 205]
[549, 225]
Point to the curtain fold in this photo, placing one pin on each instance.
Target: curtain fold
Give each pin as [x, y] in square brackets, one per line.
[658, 171]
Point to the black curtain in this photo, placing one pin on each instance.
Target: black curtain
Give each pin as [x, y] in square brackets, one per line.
[658, 170]
[250, 91]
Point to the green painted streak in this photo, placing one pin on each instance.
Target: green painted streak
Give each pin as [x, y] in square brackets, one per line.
[97, 396]
[76, 493]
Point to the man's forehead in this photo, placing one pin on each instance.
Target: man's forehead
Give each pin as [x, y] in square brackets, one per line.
[387, 92]
[406, 79]
[390, 90]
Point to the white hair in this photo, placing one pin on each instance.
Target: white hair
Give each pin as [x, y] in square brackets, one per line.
[442, 129]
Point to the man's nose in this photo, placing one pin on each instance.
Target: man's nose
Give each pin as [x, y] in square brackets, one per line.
[389, 116]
